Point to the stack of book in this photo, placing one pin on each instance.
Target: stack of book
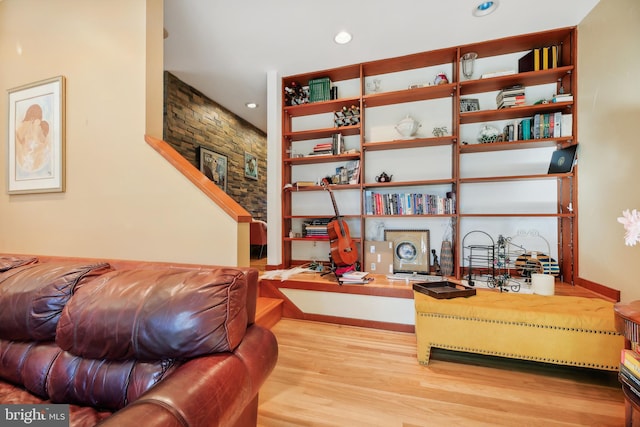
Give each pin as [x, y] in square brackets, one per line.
[355, 277]
[324, 148]
[630, 369]
[562, 97]
[510, 97]
[316, 229]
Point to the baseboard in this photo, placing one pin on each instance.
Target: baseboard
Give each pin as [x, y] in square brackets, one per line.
[605, 291]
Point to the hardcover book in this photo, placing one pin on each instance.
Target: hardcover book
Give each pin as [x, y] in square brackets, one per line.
[562, 160]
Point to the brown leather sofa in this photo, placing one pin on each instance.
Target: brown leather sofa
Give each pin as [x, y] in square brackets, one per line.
[131, 343]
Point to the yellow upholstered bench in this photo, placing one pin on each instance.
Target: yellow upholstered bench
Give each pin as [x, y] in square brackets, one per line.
[563, 330]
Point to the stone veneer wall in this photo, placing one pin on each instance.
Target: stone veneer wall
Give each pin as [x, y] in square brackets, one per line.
[192, 120]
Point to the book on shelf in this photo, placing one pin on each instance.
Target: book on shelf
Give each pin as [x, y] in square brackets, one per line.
[337, 144]
[540, 58]
[631, 360]
[304, 183]
[630, 383]
[630, 375]
[562, 162]
[564, 97]
[407, 204]
[355, 275]
[497, 74]
[320, 89]
[353, 171]
[510, 97]
[566, 125]
[342, 280]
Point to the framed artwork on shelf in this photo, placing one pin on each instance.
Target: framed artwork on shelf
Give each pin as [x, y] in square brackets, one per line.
[36, 145]
[411, 252]
[469, 104]
[250, 166]
[214, 166]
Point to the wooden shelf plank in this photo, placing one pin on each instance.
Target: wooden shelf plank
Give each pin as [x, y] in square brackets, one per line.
[408, 143]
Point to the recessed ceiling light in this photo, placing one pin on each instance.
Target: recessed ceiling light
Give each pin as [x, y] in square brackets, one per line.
[251, 105]
[485, 8]
[342, 37]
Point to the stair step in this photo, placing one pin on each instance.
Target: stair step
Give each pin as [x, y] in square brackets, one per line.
[268, 311]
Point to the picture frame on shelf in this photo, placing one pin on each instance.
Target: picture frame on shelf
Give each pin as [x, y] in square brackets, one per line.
[411, 250]
[250, 166]
[469, 104]
[36, 144]
[214, 166]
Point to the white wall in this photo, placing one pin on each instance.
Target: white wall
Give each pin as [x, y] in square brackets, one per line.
[123, 200]
[609, 151]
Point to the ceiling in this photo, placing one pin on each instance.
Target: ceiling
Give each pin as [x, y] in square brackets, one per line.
[224, 49]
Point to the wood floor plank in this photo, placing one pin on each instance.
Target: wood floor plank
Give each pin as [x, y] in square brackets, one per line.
[336, 375]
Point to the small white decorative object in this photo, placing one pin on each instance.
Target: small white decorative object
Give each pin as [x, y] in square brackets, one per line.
[407, 127]
[488, 134]
[542, 284]
[631, 222]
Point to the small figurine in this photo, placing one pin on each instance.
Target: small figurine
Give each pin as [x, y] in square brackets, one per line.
[436, 265]
[441, 79]
[441, 131]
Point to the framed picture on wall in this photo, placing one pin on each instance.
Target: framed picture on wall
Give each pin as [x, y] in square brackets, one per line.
[214, 166]
[35, 161]
[250, 166]
[410, 250]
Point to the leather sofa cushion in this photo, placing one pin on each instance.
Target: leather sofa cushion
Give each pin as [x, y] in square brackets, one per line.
[100, 383]
[8, 262]
[156, 314]
[50, 373]
[32, 297]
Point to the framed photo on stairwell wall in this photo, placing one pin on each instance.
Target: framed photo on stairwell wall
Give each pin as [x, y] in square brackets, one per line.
[250, 166]
[214, 166]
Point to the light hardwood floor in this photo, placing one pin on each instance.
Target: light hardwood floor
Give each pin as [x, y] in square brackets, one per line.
[334, 375]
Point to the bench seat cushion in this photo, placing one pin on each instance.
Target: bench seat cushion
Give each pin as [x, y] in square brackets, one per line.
[563, 330]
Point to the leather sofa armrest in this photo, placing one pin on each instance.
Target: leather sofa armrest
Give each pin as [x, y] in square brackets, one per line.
[207, 391]
[252, 294]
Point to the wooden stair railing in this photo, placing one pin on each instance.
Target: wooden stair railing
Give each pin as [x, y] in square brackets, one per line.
[208, 187]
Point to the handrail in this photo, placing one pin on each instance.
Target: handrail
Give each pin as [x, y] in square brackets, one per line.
[208, 187]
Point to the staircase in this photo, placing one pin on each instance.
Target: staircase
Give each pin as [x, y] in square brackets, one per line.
[268, 311]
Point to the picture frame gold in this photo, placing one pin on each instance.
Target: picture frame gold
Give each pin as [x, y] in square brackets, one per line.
[411, 250]
[36, 143]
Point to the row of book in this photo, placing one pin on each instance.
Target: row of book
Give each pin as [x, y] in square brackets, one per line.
[320, 89]
[542, 58]
[316, 229]
[407, 204]
[540, 126]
